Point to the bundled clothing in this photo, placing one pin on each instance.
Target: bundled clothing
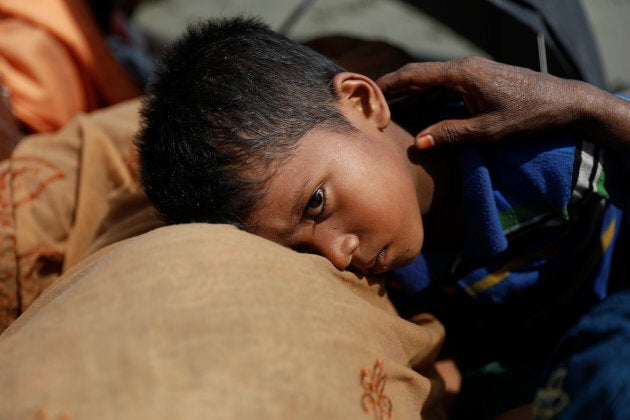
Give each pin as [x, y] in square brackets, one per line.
[55, 62]
[65, 195]
[546, 234]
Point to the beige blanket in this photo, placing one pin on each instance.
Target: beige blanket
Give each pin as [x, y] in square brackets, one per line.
[205, 321]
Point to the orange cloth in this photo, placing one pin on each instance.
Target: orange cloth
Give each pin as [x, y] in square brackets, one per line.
[56, 63]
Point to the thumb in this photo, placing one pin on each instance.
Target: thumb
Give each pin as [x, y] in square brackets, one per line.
[446, 132]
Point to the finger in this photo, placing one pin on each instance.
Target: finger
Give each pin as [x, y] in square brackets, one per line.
[449, 132]
[431, 97]
[425, 141]
[414, 75]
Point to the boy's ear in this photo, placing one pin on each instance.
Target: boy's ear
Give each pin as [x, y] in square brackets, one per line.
[359, 93]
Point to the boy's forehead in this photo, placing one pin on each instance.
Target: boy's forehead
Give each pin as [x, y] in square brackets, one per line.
[280, 205]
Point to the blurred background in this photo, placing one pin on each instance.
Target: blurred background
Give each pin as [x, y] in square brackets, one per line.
[509, 31]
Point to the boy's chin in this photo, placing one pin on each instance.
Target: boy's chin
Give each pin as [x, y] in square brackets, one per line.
[404, 262]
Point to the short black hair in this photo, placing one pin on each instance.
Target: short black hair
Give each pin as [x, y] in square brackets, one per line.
[227, 100]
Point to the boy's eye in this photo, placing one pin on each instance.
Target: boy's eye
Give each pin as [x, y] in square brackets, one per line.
[315, 206]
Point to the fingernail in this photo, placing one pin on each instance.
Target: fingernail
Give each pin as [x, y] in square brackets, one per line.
[425, 142]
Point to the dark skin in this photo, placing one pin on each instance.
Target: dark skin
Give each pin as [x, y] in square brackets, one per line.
[505, 100]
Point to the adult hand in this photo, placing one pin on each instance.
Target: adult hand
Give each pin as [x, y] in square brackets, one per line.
[504, 100]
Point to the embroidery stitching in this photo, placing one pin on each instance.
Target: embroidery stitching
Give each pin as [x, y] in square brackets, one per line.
[22, 180]
[374, 398]
[552, 399]
[43, 414]
[31, 175]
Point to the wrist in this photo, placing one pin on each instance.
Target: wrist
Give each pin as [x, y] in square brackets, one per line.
[567, 106]
[583, 102]
[587, 110]
[601, 117]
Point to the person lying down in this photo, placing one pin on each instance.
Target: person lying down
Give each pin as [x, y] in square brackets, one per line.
[509, 244]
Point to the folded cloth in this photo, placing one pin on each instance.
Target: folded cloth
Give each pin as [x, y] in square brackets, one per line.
[206, 321]
[56, 63]
[589, 374]
[64, 195]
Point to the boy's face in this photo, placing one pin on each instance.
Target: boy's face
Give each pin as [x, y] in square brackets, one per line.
[350, 197]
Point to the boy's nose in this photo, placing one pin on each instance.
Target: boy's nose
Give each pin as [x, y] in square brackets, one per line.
[338, 248]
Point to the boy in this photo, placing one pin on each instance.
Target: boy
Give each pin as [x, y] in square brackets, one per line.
[245, 127]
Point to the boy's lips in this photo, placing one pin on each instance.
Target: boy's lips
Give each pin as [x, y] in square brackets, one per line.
[377, 264]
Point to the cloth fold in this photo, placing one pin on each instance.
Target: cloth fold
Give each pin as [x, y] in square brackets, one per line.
[56, 63]
[64, 195]
[197, 321]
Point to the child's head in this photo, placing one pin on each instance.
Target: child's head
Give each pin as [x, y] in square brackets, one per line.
[243, 126]
[229, 98]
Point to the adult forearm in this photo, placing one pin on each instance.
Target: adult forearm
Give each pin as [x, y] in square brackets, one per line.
[602, 117]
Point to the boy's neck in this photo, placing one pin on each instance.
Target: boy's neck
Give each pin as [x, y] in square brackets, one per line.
[438, 190]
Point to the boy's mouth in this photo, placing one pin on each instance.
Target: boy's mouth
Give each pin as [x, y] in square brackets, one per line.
[378, 265]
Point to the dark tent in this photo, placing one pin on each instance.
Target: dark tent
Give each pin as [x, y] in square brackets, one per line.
[553, 36]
